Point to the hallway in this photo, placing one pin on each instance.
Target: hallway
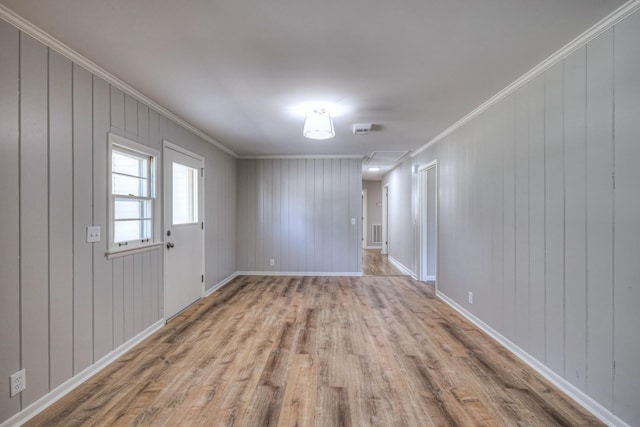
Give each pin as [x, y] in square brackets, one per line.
[376, 264]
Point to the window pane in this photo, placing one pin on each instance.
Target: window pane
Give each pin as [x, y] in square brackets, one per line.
[131, 209]
[129, 186]
[185, 194]
[129, 164]
[131, 230]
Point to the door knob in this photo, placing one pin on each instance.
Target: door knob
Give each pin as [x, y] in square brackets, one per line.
[170, 245]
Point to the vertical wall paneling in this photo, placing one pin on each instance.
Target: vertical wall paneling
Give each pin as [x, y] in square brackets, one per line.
[156, 285]
[252, 206]
[102, 268]
[509, 295]
[138, 302]
[497, 277]
[61, 219]
[118, 301]
[536, 220]
[300, 211]
[554, 218]
[522, 218]
[355, 204]
[575, 219]
[82, 217]
[9, 212]
[285, 224]
[117, 111]
[267, 216]
[146, 289]
[131, 117]
[143, 124]
[63, 305]
[276, 216]
[312, 214]
[627, 211]
[600, 218]
[34, 264]
[128, 293]
[562, 193]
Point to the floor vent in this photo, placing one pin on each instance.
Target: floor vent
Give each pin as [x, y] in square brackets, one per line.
[377, 233]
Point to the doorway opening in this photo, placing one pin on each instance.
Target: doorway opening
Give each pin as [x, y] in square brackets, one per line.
[428, 222]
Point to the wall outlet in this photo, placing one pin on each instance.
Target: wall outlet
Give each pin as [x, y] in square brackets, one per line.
[93, 234]
[18, 382]
[272, 262]
[470, 297]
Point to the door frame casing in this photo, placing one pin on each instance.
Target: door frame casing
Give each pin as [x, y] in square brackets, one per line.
[422, 192]
[365, 219]
[166, 144]
[385, 220]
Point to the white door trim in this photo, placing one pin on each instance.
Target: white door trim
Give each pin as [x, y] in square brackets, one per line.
[422, 193]
[169, 145]
[365, 220]
[385, 219]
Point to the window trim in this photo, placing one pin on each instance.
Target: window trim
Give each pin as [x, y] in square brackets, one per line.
[116, 141]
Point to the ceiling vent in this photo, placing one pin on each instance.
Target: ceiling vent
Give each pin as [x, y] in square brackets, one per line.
[361, 128]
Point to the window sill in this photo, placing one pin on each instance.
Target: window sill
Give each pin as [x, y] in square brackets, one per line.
[136, 250]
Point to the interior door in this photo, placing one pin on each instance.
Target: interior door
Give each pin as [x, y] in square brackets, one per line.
[183, 228]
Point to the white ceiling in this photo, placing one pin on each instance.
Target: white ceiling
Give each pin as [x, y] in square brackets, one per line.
[239, 69]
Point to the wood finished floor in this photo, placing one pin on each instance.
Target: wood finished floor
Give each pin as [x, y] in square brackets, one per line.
[317, 351]
[376, 264]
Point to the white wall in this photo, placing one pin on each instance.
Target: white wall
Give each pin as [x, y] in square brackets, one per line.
[374, 208]
[63, 305]
[298, 212]
[530, 219]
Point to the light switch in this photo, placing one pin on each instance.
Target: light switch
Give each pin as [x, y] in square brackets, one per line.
[353, 221]
[93, 234]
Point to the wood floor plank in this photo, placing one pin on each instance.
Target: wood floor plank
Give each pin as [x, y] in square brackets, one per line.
[317, 351]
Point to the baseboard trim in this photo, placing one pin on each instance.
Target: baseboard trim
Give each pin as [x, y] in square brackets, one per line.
[403, 269]
[430, 278]
[569, 389]
[220, 284]
[72, 383]
[298, 273]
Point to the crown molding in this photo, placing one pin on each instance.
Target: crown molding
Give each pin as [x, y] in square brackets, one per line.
[45, 38]
[301, 156]
[605, 24]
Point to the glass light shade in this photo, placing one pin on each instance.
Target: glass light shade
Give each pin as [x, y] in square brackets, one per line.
[318, 125]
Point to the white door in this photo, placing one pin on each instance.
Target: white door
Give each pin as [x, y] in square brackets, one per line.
[183, 229]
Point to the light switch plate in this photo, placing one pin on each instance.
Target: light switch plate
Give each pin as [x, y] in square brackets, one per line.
[353, 221]
[93, 234]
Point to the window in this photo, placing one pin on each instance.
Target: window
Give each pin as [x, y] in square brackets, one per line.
[185, 194]
[133, 210]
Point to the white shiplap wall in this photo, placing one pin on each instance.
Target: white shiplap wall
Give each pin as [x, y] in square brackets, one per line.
[531, 223]
[63, 305]
[298, 212]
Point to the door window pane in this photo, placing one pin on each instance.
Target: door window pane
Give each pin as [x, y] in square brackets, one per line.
[185, 194]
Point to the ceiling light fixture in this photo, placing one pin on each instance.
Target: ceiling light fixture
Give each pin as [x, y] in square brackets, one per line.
[318, 125]
[374, 169]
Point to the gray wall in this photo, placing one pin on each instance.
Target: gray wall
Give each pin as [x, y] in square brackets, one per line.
[402, 242]
[531, 221]
[374, 208]
[298, 212]
[63, 306]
